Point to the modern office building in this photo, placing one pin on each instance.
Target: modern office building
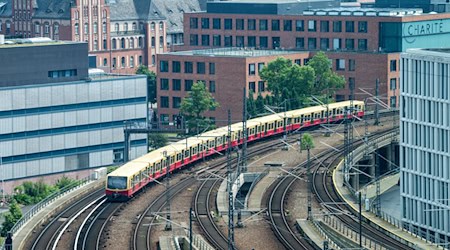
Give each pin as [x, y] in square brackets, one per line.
[425, 143]
[225, 71]
[55, 118]
[363, 43]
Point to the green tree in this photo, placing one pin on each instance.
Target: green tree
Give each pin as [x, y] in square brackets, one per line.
[64, 182]
[198, 101]
[11, 217]
[31, 193]
[251, 105]
[288, 81]
[307, 141]
[327, 81]
[259, 104]
[157, 140]
[151, 82]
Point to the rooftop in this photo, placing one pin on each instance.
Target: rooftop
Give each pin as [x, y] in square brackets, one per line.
[233, 52]
[358, 11]
[30, 42]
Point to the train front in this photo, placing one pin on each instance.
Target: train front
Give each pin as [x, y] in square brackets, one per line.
[117, 188]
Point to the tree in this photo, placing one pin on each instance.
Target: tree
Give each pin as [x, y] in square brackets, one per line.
[151, 82]
[308, 143]
[157, 140]
[326, 79]
[198, 101]
[64, 182]
[251, 105]
[11, 217]
[288, 81]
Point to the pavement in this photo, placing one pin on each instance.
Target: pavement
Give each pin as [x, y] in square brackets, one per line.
[256, 196]
[19, 238]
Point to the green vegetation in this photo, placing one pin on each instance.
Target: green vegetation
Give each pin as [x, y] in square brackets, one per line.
[307, 142]
[111, 168]
[294, 84]
[151, 82]
[157, 140]
[198, 101]
[11, 217]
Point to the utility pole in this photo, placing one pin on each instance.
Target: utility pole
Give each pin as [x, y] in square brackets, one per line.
[348, 138]
[377, 88]
[230, 181]
[309, 183]
[360, 221]
[242, 165]
[190, 228]
[168, 221]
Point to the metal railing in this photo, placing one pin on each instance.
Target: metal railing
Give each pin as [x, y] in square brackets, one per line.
[47, 201]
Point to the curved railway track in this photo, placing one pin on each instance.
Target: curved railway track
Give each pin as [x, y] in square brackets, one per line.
[141, 235]
[49, 236]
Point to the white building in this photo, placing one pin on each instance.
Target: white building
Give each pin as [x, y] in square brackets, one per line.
[55, 118]
[425, 139]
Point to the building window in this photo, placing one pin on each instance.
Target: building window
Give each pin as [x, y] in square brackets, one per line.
[217, 23]
[263, 42]
[164, 66]
[140, 60]
[212, 68]
[260, 67]
[228, 41]
[299, 25]
[351, 65]
[261, 86]
[337, 43]
[205, 23]
[114, 64]
[153, 42]
[212, 86]
[312, 43]
[131, 61]
[337, 26]
[251, 24]
[324, 26]
[161, 41]
[299, 43]
[340, 64]
[393, 84]
[205, 40]
[86, 28]
[164, 84]
[152, 25]
[393, 65]
[176, 67]
[312, 26]
[140, 42]
[239, 24]
[324, 43]
[105, 62]
[349, 26]
[362, 44]
[176, 102]
[176, 84]
[251, 69]
[201, 68]
[193, 41]
[217, 40]
[228, 23]
[122, 60]
[131, 45]
[251, 41]
[393, 101]
[95, 45]
[46, 28]
[161, 26]
[252, 87]
[154, 60]
[362, 27]
[122, 43]
[287, 25]
[298, 61]
[164, 102]
[134, 26]
[193, 24]
[239, 41]
[188, 85]
[263, 24]
[275, 25]
[188, 67]
[62, 73]
[350, 44]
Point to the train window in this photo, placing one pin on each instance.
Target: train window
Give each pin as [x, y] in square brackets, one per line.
[172, 159]
[322, 114]
[116, 182]
[186, 153]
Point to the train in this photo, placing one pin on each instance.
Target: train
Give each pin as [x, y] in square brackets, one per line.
[125, 181]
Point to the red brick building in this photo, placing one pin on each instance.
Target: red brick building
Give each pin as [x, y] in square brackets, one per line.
[363, 44]
[226, 72]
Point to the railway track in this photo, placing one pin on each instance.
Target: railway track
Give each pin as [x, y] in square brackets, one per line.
[325, 193]
[50, 235]
[142, 232]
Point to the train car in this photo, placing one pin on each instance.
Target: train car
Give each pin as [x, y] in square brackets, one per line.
[128, 179]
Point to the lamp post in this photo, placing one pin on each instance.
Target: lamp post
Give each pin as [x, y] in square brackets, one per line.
[167, 162]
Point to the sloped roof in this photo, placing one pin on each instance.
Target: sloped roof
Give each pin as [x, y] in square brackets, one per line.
[53, 9]
[5, 8]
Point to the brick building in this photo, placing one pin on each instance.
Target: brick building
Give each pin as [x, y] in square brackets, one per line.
[225, 71]
[122, 33]
[363, 43]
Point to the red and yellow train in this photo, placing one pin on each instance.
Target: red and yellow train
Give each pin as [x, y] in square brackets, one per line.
[128, 179]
